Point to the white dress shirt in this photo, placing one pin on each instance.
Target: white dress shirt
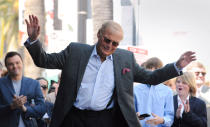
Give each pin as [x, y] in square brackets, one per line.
[180, 103]
[97, 85]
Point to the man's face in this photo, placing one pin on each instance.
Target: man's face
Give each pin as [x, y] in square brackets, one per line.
[200, 74]
[55, 85]
[108, 42]
[44, 86]
[14, 66]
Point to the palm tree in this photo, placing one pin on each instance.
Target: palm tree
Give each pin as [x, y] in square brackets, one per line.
[37, 8]
[9, 25]
[102, 10]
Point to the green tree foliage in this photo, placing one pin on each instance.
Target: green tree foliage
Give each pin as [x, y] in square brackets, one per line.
[8, 25]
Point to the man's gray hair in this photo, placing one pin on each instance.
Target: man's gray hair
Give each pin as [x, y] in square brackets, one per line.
[110, 24]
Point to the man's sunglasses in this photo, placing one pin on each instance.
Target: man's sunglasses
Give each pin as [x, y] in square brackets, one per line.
[108, 41]
[44, 87]
[198, 73]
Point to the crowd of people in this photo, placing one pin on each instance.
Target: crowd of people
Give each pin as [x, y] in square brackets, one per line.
[96, 87]
[182, 108]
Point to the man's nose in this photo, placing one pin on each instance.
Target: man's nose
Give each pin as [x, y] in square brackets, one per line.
[109, 44]
[201, 75]
[14, 66]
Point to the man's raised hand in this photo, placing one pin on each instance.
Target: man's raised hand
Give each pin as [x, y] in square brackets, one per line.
[185, 59]
[33, 28]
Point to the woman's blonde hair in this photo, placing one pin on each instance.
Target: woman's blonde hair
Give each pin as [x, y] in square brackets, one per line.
[189, 78]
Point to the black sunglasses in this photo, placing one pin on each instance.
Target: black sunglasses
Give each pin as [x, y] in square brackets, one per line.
[198, 73]
[44, 87]
[108, 41]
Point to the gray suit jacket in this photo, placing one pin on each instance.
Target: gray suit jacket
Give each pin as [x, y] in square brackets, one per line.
[73, 61]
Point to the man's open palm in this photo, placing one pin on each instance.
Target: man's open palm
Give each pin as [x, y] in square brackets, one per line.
[33, 27]
[185, 59]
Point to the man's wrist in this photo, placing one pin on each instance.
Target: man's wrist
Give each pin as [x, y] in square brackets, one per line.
[178, 66]
[31, 41]
[24, 109]
[28, 42]
[179, 71]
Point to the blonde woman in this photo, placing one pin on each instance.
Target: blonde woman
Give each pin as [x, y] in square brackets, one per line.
[189, 110]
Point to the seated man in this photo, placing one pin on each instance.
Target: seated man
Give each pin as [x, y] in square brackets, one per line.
[21, 98]
[157, 101]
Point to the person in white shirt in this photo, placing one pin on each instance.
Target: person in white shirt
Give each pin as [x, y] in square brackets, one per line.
[157, 101]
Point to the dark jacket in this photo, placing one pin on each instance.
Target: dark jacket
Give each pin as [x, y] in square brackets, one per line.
[42, 122]
[29, 88]
[197, 117]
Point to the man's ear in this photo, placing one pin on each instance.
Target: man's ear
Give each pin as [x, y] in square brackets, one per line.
[98, 34]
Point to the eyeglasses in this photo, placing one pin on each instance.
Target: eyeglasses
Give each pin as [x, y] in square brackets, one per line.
[108, 41]
[52, 87]
[198, 73]
[44, 87]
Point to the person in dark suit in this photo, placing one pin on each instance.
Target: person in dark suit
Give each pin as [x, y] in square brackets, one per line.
[21, 98]
[96, 88]
[190, 111]
[46, 118]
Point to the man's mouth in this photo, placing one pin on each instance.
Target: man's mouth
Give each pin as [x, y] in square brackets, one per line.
[106, 48]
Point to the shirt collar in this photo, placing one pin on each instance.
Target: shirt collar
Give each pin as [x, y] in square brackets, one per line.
[199, 89]
[180, 101]
[95, 54]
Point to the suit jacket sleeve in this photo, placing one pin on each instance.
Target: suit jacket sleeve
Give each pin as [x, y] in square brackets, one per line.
[44, 60]
[154, 77]
[5, 108]
[37, 110]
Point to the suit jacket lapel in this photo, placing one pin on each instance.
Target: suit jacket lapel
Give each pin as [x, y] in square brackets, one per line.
[23, 86]
[175, 103]
[117, 69]
[9, 85]
[84, 58]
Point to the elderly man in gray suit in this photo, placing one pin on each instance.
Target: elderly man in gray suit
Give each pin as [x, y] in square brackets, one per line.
[96, 88]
